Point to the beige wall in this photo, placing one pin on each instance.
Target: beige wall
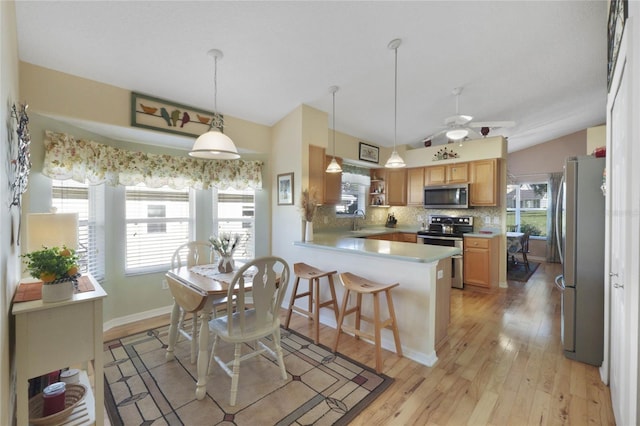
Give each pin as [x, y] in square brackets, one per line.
[9, 218]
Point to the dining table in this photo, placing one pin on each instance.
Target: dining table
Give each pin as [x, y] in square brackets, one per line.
[194, 289]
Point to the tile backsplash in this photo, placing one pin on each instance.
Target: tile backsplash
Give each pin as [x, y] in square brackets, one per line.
[407, 216]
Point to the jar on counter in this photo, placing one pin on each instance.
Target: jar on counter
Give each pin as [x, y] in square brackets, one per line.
[53, 398]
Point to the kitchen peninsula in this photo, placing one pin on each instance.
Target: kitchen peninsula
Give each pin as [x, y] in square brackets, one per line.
[421, 300]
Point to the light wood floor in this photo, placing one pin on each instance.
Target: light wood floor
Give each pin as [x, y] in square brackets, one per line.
[502, 365]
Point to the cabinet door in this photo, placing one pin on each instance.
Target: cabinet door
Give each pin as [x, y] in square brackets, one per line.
[378, 192]
[435, 175]
[458, 173]
[396, 187]
[332, 183]
[415, 186]
[317, 170]
[476, 267]
[408, 237]
[484, 183]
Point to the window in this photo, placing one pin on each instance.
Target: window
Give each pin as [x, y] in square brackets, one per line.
[88, 201]
[527, 208]
[355, 190]
[158, 220]
[234, 212]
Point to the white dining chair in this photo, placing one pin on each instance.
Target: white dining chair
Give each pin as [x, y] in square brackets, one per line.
[268, 278]
[191, 254]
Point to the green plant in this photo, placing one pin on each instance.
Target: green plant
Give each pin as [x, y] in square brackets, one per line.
[51, 264]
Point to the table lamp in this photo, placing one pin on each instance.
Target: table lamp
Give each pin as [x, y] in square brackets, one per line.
[51, 230]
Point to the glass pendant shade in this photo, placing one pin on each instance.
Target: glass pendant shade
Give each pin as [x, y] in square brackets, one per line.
[214, 145]
[395, 161]
[456, 134]
[333, 166]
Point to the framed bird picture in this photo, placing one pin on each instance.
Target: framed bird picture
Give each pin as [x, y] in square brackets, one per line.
[166, 116]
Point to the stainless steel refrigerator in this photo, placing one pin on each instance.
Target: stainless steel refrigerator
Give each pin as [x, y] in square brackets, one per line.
[580, 224]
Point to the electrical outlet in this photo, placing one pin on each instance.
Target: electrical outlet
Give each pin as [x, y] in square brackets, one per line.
[487, 219]
[496, 220]
[440, 274]
[165, 285]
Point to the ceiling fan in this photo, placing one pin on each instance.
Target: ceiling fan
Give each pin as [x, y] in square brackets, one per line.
[459, 127]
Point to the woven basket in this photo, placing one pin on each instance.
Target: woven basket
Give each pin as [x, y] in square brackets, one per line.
[74, 394]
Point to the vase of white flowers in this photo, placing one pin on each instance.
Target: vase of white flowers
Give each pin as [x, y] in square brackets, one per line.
[308, 207]
[225, 245]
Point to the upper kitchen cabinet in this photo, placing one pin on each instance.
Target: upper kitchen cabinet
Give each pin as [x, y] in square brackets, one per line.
[446, 173]
[326, 185]
[484, 183]
[415, 186]
[396, 187]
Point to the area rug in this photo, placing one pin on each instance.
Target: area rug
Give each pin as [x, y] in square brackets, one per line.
[322, 388]
[518, 271]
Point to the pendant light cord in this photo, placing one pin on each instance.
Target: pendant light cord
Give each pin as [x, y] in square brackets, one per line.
[334, 124]
[395, 101]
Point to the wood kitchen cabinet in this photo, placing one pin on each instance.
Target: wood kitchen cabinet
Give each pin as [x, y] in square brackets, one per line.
[415, 186]
[446, 173]
[378, 190]
[326, 185]
[402, 237]
[481, 261]
[485, 183]
[396, 187]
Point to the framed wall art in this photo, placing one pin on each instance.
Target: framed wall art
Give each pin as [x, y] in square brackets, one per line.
[369, 153]
[285, 189]
[166, 116]
[618, 11]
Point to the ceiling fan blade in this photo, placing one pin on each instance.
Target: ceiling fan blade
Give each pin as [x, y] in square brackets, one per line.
[457, 120]
[434, 135]
[492, 124]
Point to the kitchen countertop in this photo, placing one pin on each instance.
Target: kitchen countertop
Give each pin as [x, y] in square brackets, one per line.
[355, 242]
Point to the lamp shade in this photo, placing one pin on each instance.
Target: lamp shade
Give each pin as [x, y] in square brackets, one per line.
[395, 161]
[456, 134]
[51, 230]
[333, 167]
[214, 145]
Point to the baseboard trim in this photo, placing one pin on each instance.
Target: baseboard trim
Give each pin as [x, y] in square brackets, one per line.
[140, 316]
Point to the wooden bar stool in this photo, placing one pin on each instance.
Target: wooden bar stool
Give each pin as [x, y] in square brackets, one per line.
[307, 272]
[362, 286]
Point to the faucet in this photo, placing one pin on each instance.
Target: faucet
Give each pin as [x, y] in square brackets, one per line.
[358, 213]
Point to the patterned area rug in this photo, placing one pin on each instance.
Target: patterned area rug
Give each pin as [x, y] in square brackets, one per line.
[322, 388]
[518, 272]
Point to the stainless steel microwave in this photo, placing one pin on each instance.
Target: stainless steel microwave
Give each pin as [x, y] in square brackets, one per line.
[446, 197]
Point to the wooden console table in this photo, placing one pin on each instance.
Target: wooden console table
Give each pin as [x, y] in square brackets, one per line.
[52, 336]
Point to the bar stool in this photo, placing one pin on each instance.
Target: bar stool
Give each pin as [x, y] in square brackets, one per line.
[360, 286]
[307, 272]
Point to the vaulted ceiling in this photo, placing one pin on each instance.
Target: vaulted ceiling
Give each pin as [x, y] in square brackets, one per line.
[541, 64]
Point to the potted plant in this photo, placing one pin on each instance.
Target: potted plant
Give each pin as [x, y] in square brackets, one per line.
[57, 268]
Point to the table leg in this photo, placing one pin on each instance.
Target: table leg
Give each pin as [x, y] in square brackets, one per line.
[203, 354]
[173, 331]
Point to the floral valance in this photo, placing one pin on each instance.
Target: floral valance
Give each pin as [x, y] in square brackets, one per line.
[87, 161]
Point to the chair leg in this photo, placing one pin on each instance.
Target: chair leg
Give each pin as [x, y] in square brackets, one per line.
[236, 374]
[345, 299]
[316, 308]
[291, 301]
[358, 313]
[394, 324]
[332, 289]
[526, 261]
[276, 341]
[213, 354]
[376, 328]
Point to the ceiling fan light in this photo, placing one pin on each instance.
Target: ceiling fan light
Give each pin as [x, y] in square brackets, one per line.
[395, 161]
[214, 145]
[456, 134]
[334, 167]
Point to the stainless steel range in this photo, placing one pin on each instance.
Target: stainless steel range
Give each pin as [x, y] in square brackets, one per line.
[448, 231]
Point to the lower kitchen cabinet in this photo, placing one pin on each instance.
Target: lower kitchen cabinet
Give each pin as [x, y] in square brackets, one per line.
[403, 237]
[481, 261]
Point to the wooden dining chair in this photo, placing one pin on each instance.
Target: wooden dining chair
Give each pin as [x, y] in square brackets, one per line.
[524, 249]
[268, 278]
[191, 254]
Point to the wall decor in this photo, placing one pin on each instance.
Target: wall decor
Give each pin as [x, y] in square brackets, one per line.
[166, 116]
[618, 12]
[20, 157]
[369, 153]
[444, 154]
[285, 189]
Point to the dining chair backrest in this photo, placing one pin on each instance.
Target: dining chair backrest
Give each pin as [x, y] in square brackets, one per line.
[193, 253]
[268, 278]
[524, 242]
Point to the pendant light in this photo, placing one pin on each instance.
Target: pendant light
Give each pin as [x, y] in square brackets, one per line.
[395, 161]
[334, 167]
[215, 145]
